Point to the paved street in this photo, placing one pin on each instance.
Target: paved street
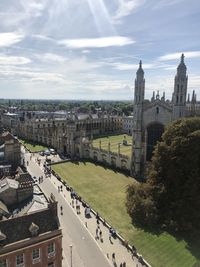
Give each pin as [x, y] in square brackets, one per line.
[87, 251]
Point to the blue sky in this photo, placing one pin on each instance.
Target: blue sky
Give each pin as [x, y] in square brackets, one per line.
[90, 49]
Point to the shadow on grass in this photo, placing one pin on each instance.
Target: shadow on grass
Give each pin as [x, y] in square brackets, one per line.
[192, 240]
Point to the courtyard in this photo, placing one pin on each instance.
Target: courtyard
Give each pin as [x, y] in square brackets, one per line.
[114, 141]
[105, 190]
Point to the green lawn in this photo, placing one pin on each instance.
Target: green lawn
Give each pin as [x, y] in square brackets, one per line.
[33, 147]
[114, 141]
[104, 190]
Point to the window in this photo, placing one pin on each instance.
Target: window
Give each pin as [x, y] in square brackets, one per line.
[20, 260]
[51, 249]
[51, 264]
[157, 110]
[36, 255]
[3, 263]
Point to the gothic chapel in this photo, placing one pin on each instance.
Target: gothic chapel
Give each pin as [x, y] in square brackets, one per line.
[151, 117]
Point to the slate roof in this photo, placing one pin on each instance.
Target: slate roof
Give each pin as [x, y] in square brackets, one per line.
[17, 229]
[8, 183]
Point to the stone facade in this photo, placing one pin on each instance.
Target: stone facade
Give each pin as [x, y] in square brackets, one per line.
[151, 117]
[65, 135]
[127, 125]
[11, 149]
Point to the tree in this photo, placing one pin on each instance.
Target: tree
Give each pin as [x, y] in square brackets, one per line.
[171, 193]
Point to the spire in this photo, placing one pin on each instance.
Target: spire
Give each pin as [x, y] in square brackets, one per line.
[188, 99]
[163, 97]
[182, 58]
[153, 96]
[140, 70]
[182, 67]
[157, 95]
[193, 96]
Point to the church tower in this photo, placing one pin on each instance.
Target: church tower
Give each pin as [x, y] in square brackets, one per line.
[137, 154]
[180, 91]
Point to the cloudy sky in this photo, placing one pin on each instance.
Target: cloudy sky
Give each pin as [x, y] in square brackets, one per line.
[90, 49]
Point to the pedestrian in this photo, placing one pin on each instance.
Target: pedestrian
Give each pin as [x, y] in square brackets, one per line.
[113, 257]
[100, 235]
[124, 264]
[110, 236]
[121, 265]
[61, 188]
[73, 203]
[98, 222]
[97, 236]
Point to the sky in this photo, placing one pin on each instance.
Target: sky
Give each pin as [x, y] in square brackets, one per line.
[90, 49]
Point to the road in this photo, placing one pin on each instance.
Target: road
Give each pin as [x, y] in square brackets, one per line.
[85, 251]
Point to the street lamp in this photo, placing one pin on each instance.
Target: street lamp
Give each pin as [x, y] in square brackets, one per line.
[71, 254]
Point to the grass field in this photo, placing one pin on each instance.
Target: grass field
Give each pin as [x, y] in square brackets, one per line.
[101, 188]
[33, 147]
[114, 141]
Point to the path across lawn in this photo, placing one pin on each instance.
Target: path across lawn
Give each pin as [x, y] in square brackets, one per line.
[104, 190]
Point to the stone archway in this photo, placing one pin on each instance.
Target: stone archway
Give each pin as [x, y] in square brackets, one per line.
[154, 133]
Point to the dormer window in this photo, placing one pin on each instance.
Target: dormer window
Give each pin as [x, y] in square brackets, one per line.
[33, 229]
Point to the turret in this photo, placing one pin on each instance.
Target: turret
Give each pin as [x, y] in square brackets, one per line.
[137, 147]
[139, 85]
[180, 90]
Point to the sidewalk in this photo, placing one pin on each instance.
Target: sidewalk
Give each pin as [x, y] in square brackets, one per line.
[108, 248]
[122, 254]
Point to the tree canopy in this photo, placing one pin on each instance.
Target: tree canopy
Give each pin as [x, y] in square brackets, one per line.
[171, 195]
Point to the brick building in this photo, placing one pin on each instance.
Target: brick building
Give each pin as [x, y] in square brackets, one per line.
[34, 239]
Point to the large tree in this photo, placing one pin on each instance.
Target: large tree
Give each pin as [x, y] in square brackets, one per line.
[171, 195]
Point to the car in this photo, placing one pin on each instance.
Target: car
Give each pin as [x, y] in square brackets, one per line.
[41, 153]
[52, 151]
[47, 153]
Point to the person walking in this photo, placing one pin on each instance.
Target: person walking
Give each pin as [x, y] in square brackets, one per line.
[113, 257]
[97, 233]
[100, 235]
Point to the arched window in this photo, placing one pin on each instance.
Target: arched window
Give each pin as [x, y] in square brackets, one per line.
[157, 110]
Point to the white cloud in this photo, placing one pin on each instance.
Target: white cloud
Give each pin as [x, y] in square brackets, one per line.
[10, 38]
[126, 66]
[165, 3]
[97, 42]
[85, 51]
[125, 8]
[188, 54]
[51, 57]
[12, 60]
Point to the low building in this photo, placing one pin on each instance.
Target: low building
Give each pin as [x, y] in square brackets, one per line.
[33, 239]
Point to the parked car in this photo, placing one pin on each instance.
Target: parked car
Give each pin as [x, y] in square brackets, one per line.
[47, 153]
[41, 153]
[52, 151]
